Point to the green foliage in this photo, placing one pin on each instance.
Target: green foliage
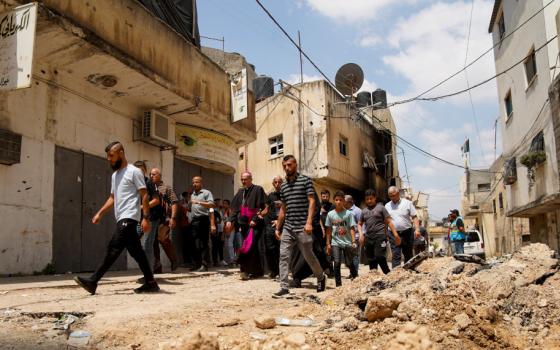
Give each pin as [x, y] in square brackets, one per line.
[532, 159]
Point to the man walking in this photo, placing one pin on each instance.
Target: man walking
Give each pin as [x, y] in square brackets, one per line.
[248, 208]
[271, 219]
[326, 207]
[128, 193]
[167, 216]
[298, 213]
[202, 223]
[403, 213]
[357, 213]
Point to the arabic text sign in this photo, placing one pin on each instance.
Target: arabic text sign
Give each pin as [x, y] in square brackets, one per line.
[17, 38]
[239, 95]
[206, 145]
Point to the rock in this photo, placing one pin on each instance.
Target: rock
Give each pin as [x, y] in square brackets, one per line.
[258, 335]
[295, 339]
[454, 332]
[350, 324]
[230, 323]
[487, 313]
[265, 322]
[462, 321]
[542, 303]
[382, 306]
[456, 267]
[411, 336]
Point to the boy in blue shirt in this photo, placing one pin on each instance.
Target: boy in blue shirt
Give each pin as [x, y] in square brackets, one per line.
[340, 230]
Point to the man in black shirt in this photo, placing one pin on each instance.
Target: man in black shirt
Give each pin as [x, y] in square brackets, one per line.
[272, 244]
[326, 206]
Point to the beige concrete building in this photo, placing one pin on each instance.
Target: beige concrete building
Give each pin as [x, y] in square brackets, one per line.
[483, 206]
[338, 150]
[98, 67]
[528, 133]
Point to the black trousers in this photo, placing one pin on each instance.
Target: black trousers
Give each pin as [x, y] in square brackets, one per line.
[375, 248]
[217, 248]
[200, 229]
[125, 236]
[348, 254]
[405, 249]
[272, 246]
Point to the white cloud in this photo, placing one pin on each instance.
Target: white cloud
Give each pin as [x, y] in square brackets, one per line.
[370, 40]
[296, 78]
[430, 45]
[350, 10]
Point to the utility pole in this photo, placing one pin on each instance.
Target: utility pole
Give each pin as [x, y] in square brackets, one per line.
[300, 114]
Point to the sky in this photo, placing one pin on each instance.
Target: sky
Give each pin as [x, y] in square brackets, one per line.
[403, 47]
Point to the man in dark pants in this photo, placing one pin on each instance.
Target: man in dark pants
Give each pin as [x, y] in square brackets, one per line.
[403, 213]
[326, 206]
[128, 192]
[272, 244]
[202, 223]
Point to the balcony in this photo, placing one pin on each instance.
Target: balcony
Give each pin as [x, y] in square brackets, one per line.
[117, 53]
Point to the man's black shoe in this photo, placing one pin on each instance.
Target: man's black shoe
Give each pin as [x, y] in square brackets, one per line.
[86, 284]
[295, 283]
[202, 269]
[150, 287]
[322, 284]
[141, 280]
[282, 292]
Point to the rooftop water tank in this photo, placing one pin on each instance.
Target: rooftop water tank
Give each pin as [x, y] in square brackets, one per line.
[363, 99]
[263, 87]
[379, 95]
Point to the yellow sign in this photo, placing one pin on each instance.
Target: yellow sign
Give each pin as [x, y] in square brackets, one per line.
[207, 146]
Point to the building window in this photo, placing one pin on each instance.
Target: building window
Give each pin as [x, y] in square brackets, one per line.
[502, 26]
[530, 67]
[343, 145]
[494, 206]
[483, 187]
[509, 105]
[276, 144]
[501, 200]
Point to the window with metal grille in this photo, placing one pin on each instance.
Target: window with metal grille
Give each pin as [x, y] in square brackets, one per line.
[10, 147]
[343, 145]
[276, 145]
[530, 67]
[501, 200]
[502, 26]
[509, 105]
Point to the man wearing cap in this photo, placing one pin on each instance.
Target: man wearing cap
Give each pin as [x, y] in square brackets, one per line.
[457, 232]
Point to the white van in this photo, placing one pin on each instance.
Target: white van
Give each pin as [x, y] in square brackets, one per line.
[474, 244]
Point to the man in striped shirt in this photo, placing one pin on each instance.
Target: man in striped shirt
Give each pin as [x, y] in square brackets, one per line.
[297, 214]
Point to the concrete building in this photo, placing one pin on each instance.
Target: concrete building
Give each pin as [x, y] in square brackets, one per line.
[338, 150]
[483, 206]
[98, 66]
[529, 141]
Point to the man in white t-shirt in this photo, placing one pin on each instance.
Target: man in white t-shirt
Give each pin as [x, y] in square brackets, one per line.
[403, 213]
[128, 195]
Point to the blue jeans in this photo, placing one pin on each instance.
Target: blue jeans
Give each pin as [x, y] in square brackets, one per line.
[148, 242]
[458, 247]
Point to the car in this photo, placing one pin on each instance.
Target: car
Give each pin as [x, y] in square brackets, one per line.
[474, 243]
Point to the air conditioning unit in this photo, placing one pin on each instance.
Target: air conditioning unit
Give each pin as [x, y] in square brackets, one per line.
[158, 129]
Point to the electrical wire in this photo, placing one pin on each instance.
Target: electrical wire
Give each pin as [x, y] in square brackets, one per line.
[436, 98]
[298, 47]
[481, 149]
[475, 60]
[409, 144]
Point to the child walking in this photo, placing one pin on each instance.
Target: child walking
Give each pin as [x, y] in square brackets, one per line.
[340, 231]
[376, 219]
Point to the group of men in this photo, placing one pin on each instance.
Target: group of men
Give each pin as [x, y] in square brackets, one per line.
[302, 235]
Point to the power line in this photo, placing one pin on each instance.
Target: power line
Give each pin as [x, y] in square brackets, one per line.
[424, 152]
[436, 98]
[297, 46]
[475, 60]
[468, 84]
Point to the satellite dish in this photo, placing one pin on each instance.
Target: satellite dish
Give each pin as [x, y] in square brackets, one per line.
[349, 79]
